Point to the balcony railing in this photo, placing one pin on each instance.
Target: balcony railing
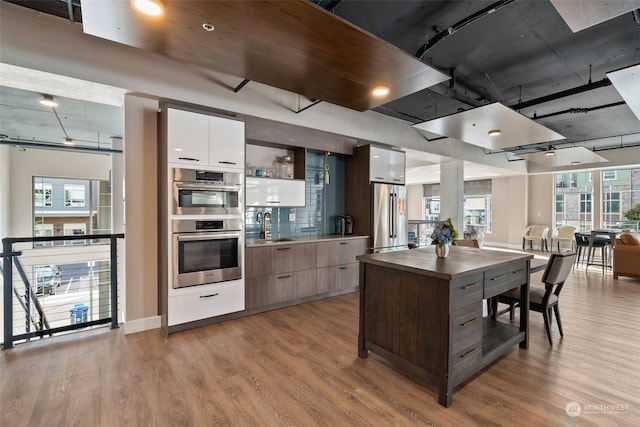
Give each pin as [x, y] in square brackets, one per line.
[57, 289]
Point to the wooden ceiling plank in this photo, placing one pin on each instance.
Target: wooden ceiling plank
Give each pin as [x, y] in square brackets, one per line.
[292, 45]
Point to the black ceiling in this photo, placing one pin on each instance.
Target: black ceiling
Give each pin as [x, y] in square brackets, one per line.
[510, 51]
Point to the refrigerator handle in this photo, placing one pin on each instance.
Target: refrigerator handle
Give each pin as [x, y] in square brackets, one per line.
[394, 210]
[390, 213]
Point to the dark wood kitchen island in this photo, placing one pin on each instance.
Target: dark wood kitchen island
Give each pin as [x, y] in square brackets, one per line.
[424, 314]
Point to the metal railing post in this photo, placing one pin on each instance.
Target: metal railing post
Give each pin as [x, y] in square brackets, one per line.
[7, 291]
[114, 282]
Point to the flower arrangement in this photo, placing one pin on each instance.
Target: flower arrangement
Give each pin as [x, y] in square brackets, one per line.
[443, 233]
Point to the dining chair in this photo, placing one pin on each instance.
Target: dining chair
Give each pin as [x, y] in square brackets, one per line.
[471, 243]
[534, 233]
[544, 300]
[564, 233]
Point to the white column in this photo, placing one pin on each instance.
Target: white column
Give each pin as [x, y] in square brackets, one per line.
[452, 193]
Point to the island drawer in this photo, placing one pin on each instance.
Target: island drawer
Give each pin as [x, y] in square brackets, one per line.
[466, 328]
[502, 279]
[466, 292]
[466, 363]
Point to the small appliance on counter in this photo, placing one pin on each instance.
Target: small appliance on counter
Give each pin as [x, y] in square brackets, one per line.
[344, 225]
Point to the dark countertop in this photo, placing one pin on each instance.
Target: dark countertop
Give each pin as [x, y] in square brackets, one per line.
[256, 243]
[462, 261]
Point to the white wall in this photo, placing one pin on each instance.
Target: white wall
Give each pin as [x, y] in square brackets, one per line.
[4, 190]
[509, 211]
[414, 202]
[540, 209]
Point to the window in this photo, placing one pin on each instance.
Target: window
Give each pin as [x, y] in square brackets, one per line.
[585, 203]
[559, 203]
[67, 207]
[42, 195]
[74, 195]
[611, 202]
[609, 175]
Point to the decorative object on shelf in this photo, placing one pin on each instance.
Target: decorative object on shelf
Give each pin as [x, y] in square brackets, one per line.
[443, 234]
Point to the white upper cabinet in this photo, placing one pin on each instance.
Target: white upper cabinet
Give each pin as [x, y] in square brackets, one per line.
[203, 140]
[378, 164]
[386, 165]
[275, 192]
[187, 137]
[396, 167]
[226, 146]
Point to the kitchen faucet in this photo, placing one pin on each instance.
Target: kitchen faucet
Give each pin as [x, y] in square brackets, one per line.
[266, 233]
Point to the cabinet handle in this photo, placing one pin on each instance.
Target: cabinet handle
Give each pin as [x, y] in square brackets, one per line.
[286, 276]
[468, 322]
[467, 353]
[343, 243]
[209, 296]
[379, 177]
[189, 158]
[272, 202]
[227, 163]
[518, 271]
[344, 268]
[396, 179]
[283, 249]
[473, 285]
[498, 277]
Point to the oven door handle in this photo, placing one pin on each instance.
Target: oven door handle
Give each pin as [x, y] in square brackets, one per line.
[212, 235]
[205, 187]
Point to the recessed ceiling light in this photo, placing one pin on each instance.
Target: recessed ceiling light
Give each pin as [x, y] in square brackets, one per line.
[494, 132]
[380, 90]
[68, 141]
[149, 7]
[575, 163]
[48, 101]
[550, 153]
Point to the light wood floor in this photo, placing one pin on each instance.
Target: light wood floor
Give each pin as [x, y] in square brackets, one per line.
[299, 366]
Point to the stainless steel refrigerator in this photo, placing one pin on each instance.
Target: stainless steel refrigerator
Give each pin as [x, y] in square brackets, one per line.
[389, 214]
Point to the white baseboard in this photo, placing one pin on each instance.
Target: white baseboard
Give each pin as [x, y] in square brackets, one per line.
[139, 325]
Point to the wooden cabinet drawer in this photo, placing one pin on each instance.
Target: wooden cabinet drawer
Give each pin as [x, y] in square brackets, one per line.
[277, 288]
[466, 328]
[338, 252]
[466, 363]
[466, 292]
[215, 301]
[294, 257]
[502, 279]
[338, 277]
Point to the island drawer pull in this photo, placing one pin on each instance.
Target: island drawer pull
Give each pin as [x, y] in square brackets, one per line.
[209, 296]
[283, 249]
[286, 276]
[472, 285]
[498, 277]
[344, 268]
[468, 322]
[462, 356]
[344, 243]
[518, 271]
[189, 158]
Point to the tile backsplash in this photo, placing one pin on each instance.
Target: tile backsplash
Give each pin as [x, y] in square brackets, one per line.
[324, 202]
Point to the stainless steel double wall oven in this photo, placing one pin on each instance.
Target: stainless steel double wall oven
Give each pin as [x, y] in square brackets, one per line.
[207, 243]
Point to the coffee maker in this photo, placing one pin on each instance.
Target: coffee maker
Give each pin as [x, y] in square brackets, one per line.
[344, 225]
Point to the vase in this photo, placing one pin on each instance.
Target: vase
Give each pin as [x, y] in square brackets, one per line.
[442, 251]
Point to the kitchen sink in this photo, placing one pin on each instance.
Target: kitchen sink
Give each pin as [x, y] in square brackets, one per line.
[281, 239]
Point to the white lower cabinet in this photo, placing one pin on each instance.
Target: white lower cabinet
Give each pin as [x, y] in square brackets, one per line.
[211, 301]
